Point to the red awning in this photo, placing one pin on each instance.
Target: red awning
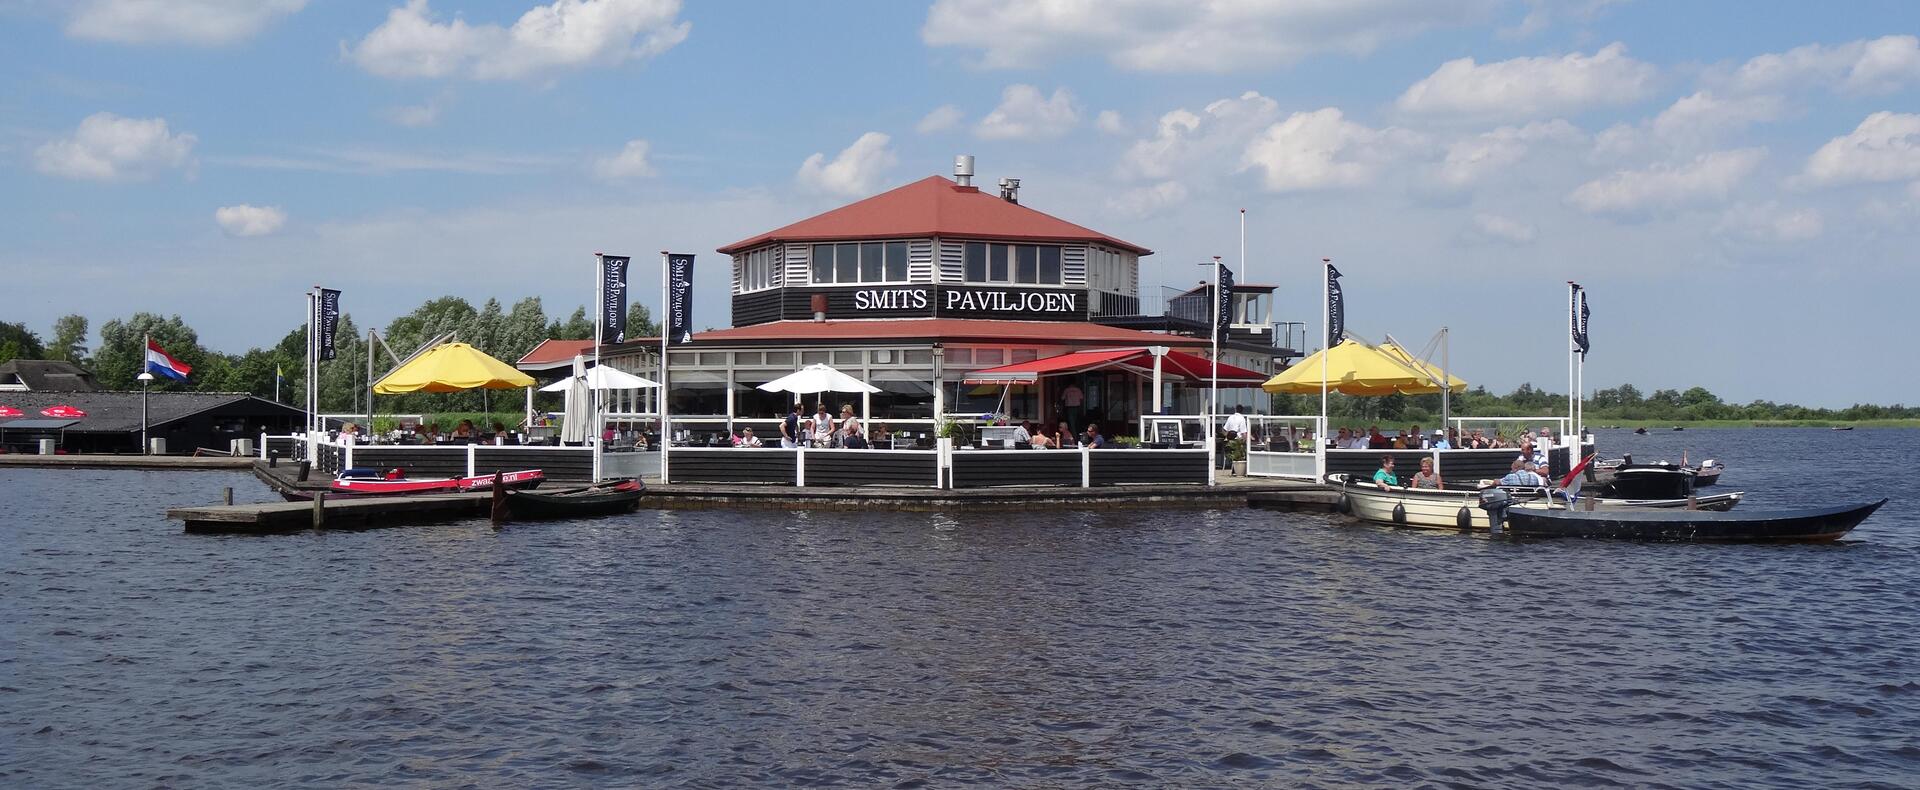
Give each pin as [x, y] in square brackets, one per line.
[1174, 366]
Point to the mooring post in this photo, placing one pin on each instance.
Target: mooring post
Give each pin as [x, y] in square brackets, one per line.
[319, 509]
[226, 495]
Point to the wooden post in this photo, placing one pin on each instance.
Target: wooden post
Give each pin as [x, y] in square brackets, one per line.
[319, 509]
[226, 496]
[499, 499]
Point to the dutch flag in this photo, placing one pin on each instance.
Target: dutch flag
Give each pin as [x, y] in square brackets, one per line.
[1570, 485]
[159, 361]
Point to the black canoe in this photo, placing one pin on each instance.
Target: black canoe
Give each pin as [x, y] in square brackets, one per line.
[601, 500]
[1805, 524]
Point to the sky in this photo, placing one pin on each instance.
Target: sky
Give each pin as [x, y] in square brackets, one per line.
[1737, 184]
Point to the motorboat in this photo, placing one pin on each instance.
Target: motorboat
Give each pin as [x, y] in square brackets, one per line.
[1458, 508]
[1707, 473]
[600, 500]
[1514, 517]
[394, 482]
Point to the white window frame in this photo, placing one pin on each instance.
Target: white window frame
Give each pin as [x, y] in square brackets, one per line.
[906, 268]
[1013, 264]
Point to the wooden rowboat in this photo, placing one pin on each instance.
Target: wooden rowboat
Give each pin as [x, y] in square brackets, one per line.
[601, 500]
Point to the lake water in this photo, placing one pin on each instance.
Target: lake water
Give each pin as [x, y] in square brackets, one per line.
[1228, 648]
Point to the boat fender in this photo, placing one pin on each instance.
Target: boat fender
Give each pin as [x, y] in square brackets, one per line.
[1399, 513]
[1343, 506]
[1464, 518]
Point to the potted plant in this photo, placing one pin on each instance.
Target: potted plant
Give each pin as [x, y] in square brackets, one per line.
[1237, 453]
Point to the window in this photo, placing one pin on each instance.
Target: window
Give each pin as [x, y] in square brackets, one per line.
[896, 262]
[865, 262]
[758, 270]
[1026, 264]
[1110, 271]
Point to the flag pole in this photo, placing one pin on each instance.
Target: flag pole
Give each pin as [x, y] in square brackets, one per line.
[1243, 245]
[1326, 347]
[1213, 387]
[666, 319]
[146, 342]
[1572, 329]
[313, 308]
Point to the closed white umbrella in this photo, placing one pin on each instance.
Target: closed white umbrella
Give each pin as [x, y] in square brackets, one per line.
[601, 377]
[576, 418]
[817, 378]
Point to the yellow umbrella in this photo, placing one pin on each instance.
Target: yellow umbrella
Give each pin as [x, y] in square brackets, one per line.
[1454, 383]
[1353, 368]
[452, 367]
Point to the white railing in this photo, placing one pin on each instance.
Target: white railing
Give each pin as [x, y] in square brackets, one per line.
[1300, 431]
[1461, 424]
[316, 443]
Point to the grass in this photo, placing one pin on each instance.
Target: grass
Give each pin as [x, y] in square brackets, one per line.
[1653, 424]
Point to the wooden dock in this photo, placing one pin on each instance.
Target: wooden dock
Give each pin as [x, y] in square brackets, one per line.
[343, 513]
[147, 462]
[361, 513]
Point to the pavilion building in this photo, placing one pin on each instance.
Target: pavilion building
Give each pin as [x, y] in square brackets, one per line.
[920, 289]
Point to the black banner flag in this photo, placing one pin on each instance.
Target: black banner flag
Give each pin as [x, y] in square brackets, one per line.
[613, 298]
[1336, 309]
[1579, 319]
[329, 322]
[1223, 315]
[679, 298]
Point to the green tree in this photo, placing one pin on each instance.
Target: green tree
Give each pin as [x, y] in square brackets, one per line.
[524, 327]
[19, 342]
[640, 322]
[576, 327]
[122, 354]
[69, 339]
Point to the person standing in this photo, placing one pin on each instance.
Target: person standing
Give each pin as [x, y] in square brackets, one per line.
[822, 428]
[1236, 426]
[790, 428]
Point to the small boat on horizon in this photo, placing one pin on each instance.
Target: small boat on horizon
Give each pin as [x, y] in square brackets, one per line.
[1843, 427]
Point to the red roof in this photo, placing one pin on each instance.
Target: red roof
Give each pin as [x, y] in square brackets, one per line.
[933, 206]
[554, 352]
[1174, 366]
[945, 329]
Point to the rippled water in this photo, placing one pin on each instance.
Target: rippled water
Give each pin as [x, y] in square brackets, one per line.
[1176, 648]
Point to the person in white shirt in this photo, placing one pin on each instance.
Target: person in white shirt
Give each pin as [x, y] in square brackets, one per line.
[1236, 426]
[747, 439]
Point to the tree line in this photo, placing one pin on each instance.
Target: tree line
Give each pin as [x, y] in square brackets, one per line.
[504, 333]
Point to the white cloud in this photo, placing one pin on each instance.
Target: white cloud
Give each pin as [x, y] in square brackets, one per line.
[1913, 190]
[566, 34]
[1323, 150]
[1707, 178]
[1768, 223]
[1882, 65]
[202, 22]
[1148, 200]
[1185, 142]
[1180, 35]
[1541, 15]
[1884, 147]
[107, 147]
[415, 116]
[631, 162]
[248, 220]
[1498, 229]
[942, 118]
[854, 173]
[1110, 122]
[1472, 159]
[1027, 114]
[1704, 114]
[1531, 87]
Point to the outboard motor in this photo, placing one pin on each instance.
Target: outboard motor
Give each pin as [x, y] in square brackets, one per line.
[1496, 501]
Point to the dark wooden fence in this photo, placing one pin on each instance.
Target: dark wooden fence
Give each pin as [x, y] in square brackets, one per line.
[1147, 466]
[982, 468]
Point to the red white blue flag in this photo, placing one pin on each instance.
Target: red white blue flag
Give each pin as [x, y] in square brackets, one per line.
[1570, 485]
[163, 363]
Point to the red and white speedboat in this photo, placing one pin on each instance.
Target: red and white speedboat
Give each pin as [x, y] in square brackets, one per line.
[395, 483]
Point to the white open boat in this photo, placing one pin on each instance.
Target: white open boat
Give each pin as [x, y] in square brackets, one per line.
[1459, 508]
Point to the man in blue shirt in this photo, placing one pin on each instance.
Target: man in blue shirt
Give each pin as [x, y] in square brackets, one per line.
[1440, 441]
[1094, 439]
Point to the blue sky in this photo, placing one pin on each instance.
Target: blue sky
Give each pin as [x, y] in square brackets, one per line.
[1738, 184]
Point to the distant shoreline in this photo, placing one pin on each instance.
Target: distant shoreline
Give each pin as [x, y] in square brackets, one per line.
[1659, 424]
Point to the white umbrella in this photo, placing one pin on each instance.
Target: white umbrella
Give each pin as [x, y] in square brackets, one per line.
[601, 377]
[575, 419]
[817, 378]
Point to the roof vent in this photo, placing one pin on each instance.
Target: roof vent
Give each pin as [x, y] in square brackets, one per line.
[963, 170]
[1010, 190]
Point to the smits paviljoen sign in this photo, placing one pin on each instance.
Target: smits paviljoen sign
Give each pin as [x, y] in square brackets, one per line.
[329, 323]
[957, 301]
[679, 298]
[613, 298]
[1336, 308]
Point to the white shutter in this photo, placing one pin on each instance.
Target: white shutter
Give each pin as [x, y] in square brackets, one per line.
[920, 260]
[796, 268]
[953, 261]
[1073, 266]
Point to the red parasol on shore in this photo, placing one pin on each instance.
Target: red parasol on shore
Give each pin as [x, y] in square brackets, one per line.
[63, 410]
[9, 411]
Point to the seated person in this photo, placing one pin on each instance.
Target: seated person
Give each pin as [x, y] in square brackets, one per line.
[1023, 433]
[1041, 441]
[463, 432]
[500, 435]
[1377, 440]
[1523, 475]
[1063, 438]
[747, 439]
[880, 436]
[1426, 477]
[1384, 476]
[640, 440]
[1093, 438]
[1440, 440]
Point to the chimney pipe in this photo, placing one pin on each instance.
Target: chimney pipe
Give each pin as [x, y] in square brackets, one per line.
[819, 304]
[963, 170]
[1010, 190]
